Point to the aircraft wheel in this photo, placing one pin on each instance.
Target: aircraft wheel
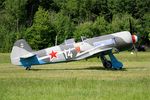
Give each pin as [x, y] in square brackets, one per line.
[28, 68]
[107, 64]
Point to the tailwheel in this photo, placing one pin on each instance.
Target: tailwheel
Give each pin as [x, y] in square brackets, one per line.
[28, 68]
[107, 64]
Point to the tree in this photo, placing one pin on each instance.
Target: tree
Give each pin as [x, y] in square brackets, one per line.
[16, 10]
[63, 26]
[84, 29]
[146, 22]
[145, 30]
[1, 4]
[100, 26]
[12, 16]
[120, 22]
[141, 8]
[41, 34]
[31, 8]
[69, 18]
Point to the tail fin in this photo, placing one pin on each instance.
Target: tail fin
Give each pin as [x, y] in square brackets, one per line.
[21, 49]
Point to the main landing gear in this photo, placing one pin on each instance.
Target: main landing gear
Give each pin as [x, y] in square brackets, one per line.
[106, 63]
[113, 63]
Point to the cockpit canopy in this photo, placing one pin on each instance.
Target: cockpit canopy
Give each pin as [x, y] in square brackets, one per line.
[69, 41]
[72, 40]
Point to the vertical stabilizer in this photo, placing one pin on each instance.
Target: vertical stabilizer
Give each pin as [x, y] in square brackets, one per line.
[21, 49]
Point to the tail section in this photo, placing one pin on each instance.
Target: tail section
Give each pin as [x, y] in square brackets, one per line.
[21, 49]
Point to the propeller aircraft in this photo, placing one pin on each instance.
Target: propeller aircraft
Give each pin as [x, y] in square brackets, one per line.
[100, 46]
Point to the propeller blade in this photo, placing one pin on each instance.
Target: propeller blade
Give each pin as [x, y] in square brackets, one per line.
[131, 28]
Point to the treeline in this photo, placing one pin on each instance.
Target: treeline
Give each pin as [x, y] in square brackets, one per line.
[41, 21]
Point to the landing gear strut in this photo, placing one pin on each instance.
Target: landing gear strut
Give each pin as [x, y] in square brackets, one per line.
[113, 63]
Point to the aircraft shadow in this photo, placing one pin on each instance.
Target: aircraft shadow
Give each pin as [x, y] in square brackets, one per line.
[88, 68]
[136, 68]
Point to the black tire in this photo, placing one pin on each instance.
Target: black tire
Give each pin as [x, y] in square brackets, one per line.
[107, 64]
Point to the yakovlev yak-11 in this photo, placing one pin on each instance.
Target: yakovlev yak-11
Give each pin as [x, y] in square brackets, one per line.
[101, 46]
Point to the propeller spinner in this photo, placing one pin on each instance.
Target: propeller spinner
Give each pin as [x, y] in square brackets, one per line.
[134, 39]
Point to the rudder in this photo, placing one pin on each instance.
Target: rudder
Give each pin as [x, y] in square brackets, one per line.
[21, 49]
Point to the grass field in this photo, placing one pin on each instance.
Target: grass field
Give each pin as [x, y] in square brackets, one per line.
[83, 80]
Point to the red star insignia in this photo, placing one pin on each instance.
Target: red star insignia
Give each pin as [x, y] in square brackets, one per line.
[53, 54]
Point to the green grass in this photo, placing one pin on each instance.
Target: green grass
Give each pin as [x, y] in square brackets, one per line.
[83, 80]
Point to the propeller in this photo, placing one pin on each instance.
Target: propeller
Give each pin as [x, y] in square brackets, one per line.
[134, 37]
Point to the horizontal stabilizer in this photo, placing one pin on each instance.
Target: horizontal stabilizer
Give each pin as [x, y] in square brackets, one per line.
[27, 62]
[27, 55]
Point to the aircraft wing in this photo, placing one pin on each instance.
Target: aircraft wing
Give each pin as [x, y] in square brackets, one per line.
[91, 52]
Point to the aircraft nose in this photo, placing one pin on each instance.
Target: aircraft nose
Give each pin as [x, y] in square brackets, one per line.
[134, 38]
